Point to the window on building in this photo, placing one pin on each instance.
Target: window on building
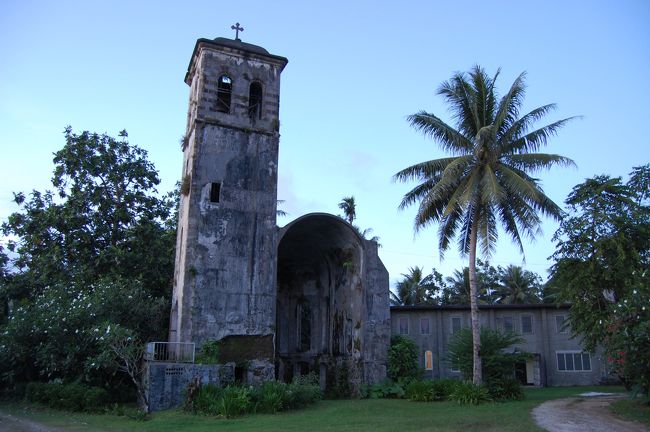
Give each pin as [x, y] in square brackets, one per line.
[255, 101]
[561, 324]
[215, 192]
[224, 93]
[573, 361]
[403, 326]
[424, 326]
[526, 324]
[508, 324]
[455, 325]
[428, 360]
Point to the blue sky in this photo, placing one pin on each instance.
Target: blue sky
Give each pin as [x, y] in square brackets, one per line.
[356, 70]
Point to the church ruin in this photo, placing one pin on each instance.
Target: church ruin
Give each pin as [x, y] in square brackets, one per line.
[311, 297]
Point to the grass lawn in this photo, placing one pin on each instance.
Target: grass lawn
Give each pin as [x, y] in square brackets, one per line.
[632, 410]
[340, 415]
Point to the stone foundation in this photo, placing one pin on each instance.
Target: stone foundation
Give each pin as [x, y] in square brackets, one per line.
[165, 383]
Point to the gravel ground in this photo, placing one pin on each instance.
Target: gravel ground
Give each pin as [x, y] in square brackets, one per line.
[583, 414]
[10, 423]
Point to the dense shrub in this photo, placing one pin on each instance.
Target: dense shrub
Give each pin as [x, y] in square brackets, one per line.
[271, 397]
[386, 389]
[497, 356]
[403, 359]
[467, 393]
[421, 391]
[445, 387]
[429, 391]
[505, 389]
[71, 397]
[302, 394]
[234, 401]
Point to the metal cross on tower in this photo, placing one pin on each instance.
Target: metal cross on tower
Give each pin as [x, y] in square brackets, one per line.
[237, 29]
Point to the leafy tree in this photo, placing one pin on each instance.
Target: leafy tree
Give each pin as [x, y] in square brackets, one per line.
[403, 359]
[99, 247]
[103, 219]
[120, 349]
[488, 179]
[518, 286]
[417, 289]
[602, 258]
[55, 334]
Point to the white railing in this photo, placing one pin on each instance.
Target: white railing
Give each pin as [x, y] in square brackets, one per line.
[173, 352]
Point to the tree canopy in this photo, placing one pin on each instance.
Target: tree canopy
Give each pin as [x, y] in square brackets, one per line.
[97, 249]
[602, 259]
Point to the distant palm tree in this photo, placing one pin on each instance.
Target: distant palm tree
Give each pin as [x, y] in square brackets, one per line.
[457, 290]
[518, 286]
[349, 208]
[278, 211]
[487, 179]
[414, 289]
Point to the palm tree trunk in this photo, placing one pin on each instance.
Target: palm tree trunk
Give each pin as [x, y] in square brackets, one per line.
[473, 300]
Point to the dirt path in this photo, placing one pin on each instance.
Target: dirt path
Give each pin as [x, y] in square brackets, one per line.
[10, 423]
[582, 414]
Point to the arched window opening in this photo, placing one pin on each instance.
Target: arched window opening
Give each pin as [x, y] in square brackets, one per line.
[224, 93]
[255, 101]
[303, 321]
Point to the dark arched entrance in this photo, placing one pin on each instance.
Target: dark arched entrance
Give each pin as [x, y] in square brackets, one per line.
[319, 300]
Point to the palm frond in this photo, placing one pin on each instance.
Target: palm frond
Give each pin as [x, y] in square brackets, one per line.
[423, 170]
[449, 138]
[534, 162]
[532, 141]
[509, 105]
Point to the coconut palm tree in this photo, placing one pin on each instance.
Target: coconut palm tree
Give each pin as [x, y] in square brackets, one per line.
[349, 208]
[518, 286]
[487, 180]
[414, 289]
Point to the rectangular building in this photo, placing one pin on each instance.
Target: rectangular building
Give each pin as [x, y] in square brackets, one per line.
[558, 359]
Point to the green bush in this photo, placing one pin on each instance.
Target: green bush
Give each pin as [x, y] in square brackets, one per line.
[403, 357]
[206, 400]
[466, 393]
[209, 353]
[235, 401]
[505, 389]
[429, 391]
[271, 397]
[386, 389]
[443, 388]
[302, 395]
[70, 397]
[421, 391]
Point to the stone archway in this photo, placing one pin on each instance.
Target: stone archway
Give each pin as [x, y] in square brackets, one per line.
[320, 301]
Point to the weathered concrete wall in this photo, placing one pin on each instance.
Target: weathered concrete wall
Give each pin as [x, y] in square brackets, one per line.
[376, 325]
[166, 383]
[332, 313]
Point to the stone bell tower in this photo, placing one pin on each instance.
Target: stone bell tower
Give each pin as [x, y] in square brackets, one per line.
[225, 270]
